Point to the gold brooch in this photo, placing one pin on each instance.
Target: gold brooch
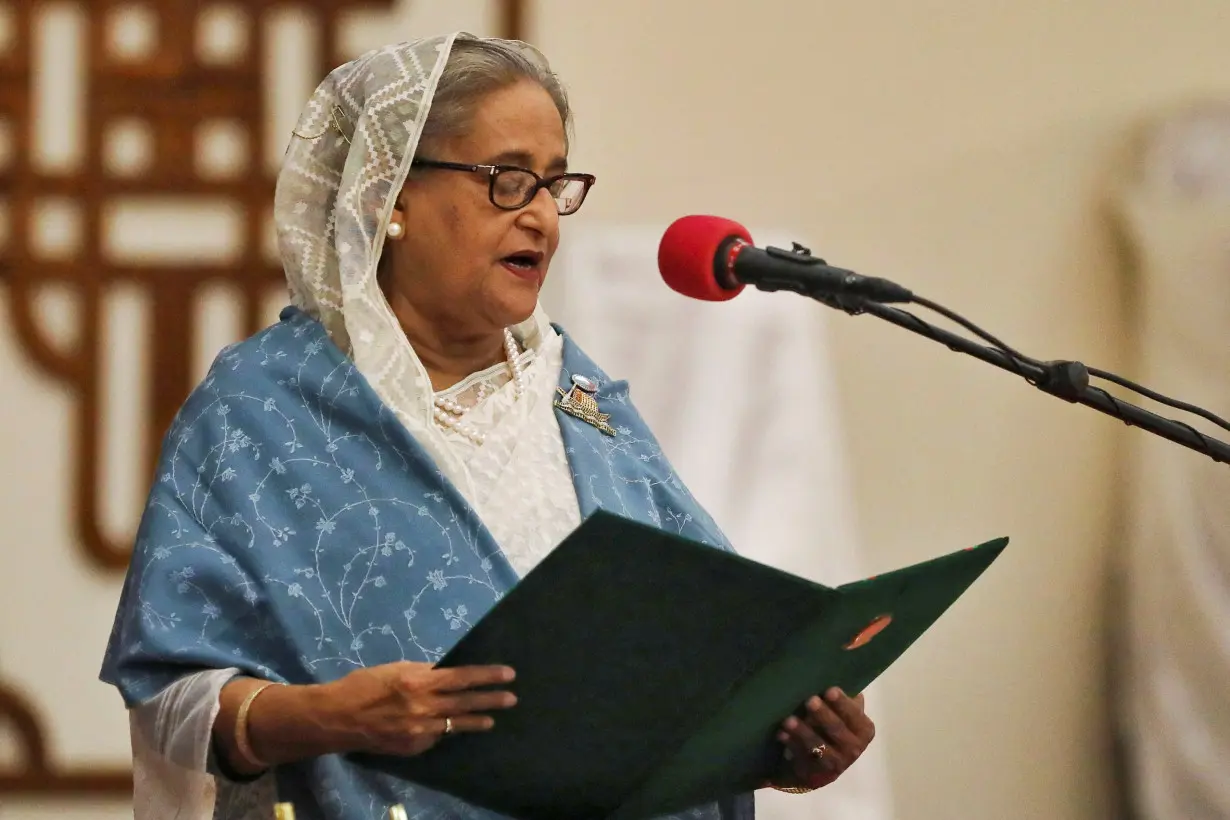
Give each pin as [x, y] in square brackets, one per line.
[579, 403]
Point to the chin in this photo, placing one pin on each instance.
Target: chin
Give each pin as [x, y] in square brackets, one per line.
[509, 300]
[515, 309]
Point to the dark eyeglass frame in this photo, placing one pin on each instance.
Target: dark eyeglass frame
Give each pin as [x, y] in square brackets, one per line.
[494, 171]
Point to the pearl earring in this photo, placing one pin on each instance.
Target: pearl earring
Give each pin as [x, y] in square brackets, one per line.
[395, 230]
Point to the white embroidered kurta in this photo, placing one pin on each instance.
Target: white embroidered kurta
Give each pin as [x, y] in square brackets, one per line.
[520, 484]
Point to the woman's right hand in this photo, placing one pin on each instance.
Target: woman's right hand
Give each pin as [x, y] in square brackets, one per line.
[398, 708]
[401, 708]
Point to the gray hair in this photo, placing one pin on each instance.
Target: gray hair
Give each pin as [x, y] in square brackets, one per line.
[477, 68]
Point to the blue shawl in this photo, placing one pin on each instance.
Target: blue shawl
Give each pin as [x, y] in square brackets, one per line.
[297, 531]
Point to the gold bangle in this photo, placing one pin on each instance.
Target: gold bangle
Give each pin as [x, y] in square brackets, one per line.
[242, 741]
[793, 789]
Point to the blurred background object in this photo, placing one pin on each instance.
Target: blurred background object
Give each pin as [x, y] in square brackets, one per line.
[1174, 653]
[960, 149]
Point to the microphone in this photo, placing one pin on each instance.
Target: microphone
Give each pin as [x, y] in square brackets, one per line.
[711, 258]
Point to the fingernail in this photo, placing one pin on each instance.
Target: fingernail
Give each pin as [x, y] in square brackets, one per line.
[814, 703]
[833, 695]
[510, 699]
[510, 674]
[783, 737]
[791, 723]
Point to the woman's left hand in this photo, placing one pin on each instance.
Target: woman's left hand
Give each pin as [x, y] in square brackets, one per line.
[832, 734]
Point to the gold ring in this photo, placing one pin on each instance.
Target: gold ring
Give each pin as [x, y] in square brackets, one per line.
[448, 726]
[818, 751]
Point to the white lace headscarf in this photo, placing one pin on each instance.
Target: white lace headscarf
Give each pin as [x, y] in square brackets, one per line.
[346, 164]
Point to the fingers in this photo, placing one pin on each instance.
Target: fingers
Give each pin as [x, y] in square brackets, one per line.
[465, 723]
[850, 711]
[801, 738]
[452, 694]
[425, 734]
[839, 726]
[460, 678]
[822, 717]
[808, 769]
[460, 704]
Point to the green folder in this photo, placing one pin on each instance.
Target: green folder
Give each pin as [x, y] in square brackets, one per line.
[653, 671]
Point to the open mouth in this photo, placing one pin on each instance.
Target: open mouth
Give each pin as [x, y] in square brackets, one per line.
[525, 262]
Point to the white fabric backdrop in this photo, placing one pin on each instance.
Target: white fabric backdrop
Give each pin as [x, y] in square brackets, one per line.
[1175, 660]
[741, 395]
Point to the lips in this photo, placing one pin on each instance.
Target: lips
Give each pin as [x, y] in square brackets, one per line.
[527, 264]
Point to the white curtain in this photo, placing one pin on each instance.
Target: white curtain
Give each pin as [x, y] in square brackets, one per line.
[1174, 659]
[741, 395]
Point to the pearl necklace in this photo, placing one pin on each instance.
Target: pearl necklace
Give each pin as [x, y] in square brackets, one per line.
[448, 413]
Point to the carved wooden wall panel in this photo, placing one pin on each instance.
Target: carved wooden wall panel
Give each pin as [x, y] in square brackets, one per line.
[166, 113]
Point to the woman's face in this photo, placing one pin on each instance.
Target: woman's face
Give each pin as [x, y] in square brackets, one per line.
[453, 265]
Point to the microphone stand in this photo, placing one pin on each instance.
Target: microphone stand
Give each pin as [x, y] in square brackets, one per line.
[1064, 379]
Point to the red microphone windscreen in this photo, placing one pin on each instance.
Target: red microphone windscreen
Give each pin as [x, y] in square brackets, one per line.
[686, 255]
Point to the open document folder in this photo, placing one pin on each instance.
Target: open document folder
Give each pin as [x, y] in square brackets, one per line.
[653, 671]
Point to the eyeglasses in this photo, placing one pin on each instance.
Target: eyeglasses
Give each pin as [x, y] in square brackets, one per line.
[511, 188]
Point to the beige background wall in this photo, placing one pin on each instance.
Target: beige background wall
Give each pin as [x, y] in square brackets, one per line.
[961, 148]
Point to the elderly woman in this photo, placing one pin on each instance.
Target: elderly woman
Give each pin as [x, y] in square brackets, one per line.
[350, 489]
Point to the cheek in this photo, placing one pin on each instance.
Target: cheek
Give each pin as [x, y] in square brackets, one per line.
[461, 251]
[475, 230]
[552, 244]
[454, 220]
